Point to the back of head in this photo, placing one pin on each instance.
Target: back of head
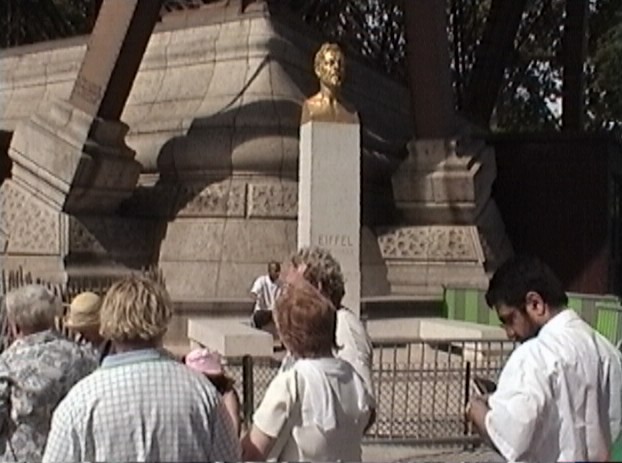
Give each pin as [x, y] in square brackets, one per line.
[32, 308]
[518, 276]
[135, 310]
[323, 271]
[306, 320]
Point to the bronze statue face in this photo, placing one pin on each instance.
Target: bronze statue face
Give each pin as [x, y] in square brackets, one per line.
[330, 66]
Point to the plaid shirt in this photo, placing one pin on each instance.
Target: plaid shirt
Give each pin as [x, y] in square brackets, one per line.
[142, 406]
[36, 372]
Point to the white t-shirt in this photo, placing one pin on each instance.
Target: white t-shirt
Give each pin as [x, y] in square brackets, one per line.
[559, 396]
[280, 415]
[266, 291]
[355, 347]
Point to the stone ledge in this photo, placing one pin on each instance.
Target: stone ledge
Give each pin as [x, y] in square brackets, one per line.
[230, 339]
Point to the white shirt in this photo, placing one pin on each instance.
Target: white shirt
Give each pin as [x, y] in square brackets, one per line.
[559, 396]
[266, 291]
[354, 347]
[284, 415]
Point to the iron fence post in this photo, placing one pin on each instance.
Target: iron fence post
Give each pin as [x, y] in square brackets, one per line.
[467, 397]
[247, 388]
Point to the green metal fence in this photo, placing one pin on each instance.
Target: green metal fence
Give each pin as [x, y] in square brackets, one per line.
[602, 312]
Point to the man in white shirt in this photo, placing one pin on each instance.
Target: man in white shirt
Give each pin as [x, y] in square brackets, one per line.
[264, 292]
[559, 395]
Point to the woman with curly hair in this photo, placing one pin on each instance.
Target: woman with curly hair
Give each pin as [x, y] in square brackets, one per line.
[316, 410]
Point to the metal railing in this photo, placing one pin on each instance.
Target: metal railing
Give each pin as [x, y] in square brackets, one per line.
[421, 386]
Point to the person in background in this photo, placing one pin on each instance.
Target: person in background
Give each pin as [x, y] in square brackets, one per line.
[318, 409]
[36, 372]
[559, 395]
[264, 293]
[140, 404]
[209, 364]
[82, 320]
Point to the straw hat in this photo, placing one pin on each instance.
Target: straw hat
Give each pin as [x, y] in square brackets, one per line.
[83, 311]
[205, 361]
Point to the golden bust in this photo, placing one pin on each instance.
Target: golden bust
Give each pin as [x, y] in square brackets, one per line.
[327, 104]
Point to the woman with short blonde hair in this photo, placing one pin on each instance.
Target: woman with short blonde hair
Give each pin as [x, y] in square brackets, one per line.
[135, 310]
[318, 409]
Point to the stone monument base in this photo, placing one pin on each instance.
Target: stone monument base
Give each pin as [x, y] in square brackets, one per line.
[422, 259]
[72, 160]
[59, 247]
[453, 232]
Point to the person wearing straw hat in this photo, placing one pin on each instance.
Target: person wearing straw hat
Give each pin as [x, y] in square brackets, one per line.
[82, 318]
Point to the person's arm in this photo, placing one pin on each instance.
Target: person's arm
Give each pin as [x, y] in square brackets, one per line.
[271, 418]
[225, 442]
[256, 445]
[232, 404]
[516, 407]
[354, 346]
[255, 290]
[476, 412]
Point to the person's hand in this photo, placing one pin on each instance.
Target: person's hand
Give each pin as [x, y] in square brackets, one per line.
[477, 407]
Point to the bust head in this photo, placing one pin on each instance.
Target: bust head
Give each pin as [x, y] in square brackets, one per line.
[330, 67]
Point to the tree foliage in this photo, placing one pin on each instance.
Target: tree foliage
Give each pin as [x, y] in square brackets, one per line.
[530, 95]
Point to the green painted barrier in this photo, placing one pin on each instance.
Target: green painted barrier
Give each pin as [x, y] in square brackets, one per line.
[616, 450]
[603, 313]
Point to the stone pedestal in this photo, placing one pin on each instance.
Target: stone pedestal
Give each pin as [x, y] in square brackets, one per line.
[73, 161]
[230, 339]
[452, 232]
[59, 247]
[329, 195]
[71, 171]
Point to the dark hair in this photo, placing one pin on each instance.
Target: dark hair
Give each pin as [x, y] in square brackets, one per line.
[222, 383]
[275, 264]
[520, 275]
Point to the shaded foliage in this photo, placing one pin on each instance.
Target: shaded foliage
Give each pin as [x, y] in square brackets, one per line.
[373, 30]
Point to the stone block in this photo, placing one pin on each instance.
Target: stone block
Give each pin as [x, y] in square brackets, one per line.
[257, 110]
[258, 76]
[193, 240]
[230, 339]
[189, 82]
[430, 243]
[428, 154]
[258, 241]
[454, 186]
[440, 328]
[146, 88]
[33, 227]
[256, 149]
[190, 281]
[329, 194]
[205, 149]
[218, 199]
[74, 161]
[412, 186]
[235, 279]
[229, 77]
[273, 200]
[423, 213]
